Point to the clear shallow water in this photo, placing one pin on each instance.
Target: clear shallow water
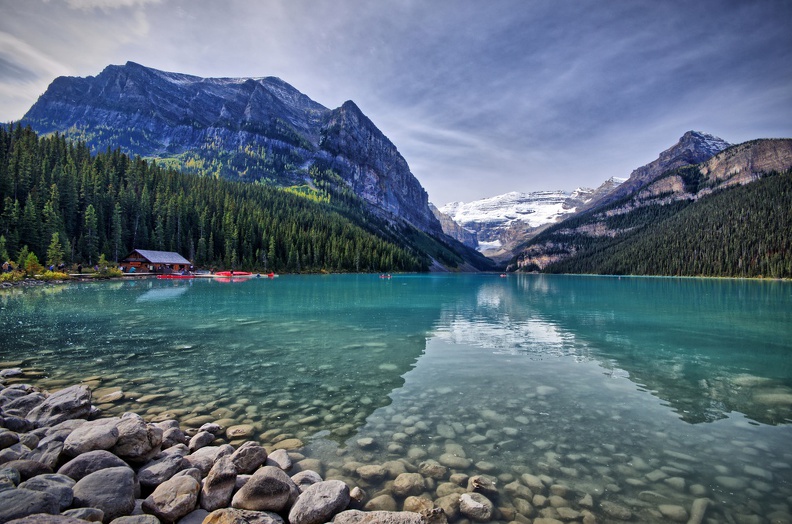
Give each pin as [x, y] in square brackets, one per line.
[637, 391]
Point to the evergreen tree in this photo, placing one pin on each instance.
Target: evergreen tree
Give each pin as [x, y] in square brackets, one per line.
[55, 251]
[91, 234]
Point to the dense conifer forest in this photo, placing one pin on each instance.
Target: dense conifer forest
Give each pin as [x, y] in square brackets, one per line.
[745, 231]
[65, 205]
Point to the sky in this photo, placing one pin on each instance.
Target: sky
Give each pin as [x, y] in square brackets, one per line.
[480, 97]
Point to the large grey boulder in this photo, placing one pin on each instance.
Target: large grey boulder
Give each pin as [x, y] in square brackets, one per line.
[112, 490]
[173, 499]
[86, 514]
[8, 438]
[200, 440]
[354, 516]
[269, 489]
[91, 436]
[138, 441]
[28, 468]
[59, 486]
[320, 502]
[248, 457]
[18, 503]
[87, 463]
[204, 458]
[157, 471]
[23, 405]
[136, 519]
[69, 403]
[47, 453]
[242, 516]
[218, 487]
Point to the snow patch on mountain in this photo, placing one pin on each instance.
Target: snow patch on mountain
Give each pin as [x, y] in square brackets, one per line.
[535, 209]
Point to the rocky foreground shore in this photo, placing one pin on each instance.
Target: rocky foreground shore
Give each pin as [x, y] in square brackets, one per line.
[61, 461]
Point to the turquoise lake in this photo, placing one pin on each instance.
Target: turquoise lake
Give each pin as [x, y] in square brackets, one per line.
[641, 392]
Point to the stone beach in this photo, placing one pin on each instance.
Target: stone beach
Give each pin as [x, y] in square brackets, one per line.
[118, 450]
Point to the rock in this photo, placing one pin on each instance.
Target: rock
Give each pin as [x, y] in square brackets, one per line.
[219, 485]
[173, 499]
[70, 403]
[10, 476]
[240, 431]
[204, 458]
[381, 503]
[305, 479]
[250, 456]
[28, 468]
[48, 453]
[242, 516]
[673, 512]
[157, 471]
[91, 436]
[408, 484]
[136, 519]
[211, 427]
[137, 441]
[372, 472]
[23, 405]
[269, 489]
[417, 504]
[172, 437]
[476, 506]
[45, 518]
[200, 440]
[357, 497]
[8, 438]
[288, 444]
[196, 516]
[59, 486]
[354, 516]
[18, 503]
[698, 510]
[320, 502]
[112, 490]
[484, 485]
[308, 464]
[14, 452]
[615, 511]
[366, 443]
[449, 504]
[433, 470]
[87, 514]
[454, 461]
[87, 463]
[190, 472]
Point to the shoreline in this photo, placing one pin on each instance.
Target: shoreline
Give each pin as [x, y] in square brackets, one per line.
[410, 490]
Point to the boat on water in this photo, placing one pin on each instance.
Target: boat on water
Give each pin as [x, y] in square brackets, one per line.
[234, 274]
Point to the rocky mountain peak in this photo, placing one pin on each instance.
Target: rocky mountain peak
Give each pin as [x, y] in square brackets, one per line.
[249, 128]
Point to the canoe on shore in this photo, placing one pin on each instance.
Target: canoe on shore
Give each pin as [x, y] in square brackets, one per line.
[234, 274]
[175, 277]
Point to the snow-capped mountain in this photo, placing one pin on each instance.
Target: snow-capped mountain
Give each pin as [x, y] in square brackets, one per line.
[501, 220]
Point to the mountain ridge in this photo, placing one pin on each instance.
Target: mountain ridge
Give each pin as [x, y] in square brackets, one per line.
[247, 128]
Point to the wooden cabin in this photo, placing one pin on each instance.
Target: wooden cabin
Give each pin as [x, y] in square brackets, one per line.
[145, 260]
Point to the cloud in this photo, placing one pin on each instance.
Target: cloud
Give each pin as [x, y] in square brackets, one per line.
[107, 5]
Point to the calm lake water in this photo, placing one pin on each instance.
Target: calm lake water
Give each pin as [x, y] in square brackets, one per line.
[646, 393]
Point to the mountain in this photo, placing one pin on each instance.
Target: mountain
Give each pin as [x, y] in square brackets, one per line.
[497, 224]
[662, 220]
[236, 128]
[253, 130]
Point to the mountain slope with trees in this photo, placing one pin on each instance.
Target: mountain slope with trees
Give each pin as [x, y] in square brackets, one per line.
[728, 216]
[66, 205]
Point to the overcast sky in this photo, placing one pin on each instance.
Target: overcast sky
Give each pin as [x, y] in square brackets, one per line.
[480, 97]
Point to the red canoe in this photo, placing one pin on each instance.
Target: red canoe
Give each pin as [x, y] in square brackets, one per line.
[173, 277]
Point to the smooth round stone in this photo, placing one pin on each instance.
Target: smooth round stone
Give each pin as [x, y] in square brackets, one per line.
[366, 443]
[416, 453]
[476, 507]
[288, 444]
[240, 431]
[372, 472]
[454, 461]
[731, 482]
[486, 467]
[381, 503]
[417, 504]
[673, 512]
[408, 484]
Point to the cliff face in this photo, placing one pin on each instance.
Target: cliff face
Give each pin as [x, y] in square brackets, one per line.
[238, 128]
[454, 230]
